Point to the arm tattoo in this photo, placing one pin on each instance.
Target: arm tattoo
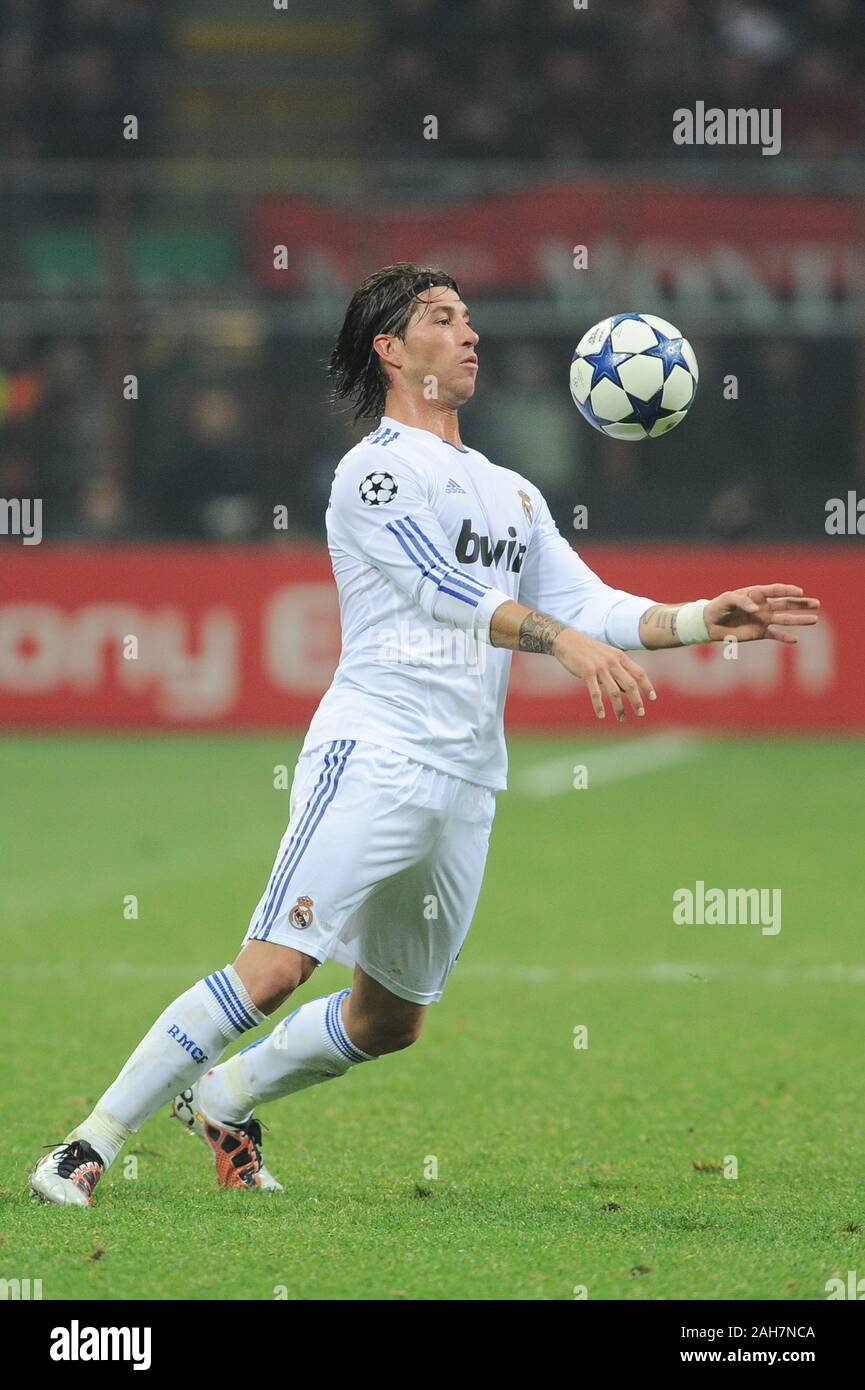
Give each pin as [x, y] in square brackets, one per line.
[538, 632]
[661, 618]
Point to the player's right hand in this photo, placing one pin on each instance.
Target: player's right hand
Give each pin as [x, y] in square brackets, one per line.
[608, 672]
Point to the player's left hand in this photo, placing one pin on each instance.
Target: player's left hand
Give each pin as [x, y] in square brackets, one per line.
[760, 610]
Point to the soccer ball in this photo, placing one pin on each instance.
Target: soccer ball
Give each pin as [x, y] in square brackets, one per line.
[377, 489]
[633, 376]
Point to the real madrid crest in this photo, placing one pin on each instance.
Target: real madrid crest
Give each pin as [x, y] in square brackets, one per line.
[528, 506]
[301, 915]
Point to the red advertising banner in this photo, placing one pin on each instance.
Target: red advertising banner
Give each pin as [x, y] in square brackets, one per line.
[248, 637]
[709, 239]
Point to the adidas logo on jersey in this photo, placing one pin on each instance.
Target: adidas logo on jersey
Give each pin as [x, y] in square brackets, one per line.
[454, 487]
[472, 547]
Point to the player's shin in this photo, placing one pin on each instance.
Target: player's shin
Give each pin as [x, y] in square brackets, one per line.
[192, 1032]
[309, 1046]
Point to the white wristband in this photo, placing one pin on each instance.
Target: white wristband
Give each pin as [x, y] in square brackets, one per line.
[689, 623]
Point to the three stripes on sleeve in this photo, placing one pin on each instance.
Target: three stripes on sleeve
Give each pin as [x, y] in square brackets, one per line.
[432, 564]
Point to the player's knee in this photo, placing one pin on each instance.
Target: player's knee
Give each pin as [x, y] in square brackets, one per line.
[288, 977]
[278, 977]
[397, 1036]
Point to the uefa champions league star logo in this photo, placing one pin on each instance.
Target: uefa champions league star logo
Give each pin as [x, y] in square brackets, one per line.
[378, 488]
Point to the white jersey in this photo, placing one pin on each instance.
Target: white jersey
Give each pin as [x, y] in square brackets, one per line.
[426, 541]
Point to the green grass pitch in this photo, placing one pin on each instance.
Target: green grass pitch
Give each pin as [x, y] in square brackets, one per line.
[557, 1166]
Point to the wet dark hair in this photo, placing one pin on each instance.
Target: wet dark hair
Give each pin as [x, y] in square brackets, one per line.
[382, 304]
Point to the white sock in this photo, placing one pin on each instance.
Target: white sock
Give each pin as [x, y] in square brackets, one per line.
[309, 1046]
[192, 1032]
[104, 1133]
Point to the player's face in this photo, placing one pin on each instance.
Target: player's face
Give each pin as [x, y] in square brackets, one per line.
[440, 344]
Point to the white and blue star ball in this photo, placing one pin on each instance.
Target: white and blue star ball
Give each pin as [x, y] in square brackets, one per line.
[633, 376]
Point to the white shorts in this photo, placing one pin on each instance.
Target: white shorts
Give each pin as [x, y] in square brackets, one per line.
[381, 865]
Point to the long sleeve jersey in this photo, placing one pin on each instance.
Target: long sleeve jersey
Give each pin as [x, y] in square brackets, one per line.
[426, 541]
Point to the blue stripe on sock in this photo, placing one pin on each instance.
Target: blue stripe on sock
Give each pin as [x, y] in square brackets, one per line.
[336, 1029]
[228, 1003]
[333, 1035]
[239, 1004]
[349, 1045]
[227, 1008]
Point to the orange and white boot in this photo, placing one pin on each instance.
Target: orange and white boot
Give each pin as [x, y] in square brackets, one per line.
[236, 1149]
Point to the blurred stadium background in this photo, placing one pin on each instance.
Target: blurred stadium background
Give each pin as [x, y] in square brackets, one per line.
[157, 258]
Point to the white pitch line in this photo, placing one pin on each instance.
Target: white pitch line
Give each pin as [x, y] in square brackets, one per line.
[554, 776]
[495, 972]
[662, 973]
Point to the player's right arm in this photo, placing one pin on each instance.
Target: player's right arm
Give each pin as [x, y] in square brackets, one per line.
[393, 527]
[401, 536]
[608, 672]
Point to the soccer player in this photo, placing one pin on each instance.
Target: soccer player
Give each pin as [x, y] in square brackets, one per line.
[445, 564]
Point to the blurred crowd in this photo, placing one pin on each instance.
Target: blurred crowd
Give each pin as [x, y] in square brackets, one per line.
[222, 430]
[225, 431]
[71, 70]
[506, 79]
[546, 79]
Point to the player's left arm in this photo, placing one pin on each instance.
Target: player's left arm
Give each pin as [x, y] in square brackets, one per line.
[556, 580]
[748, 614]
